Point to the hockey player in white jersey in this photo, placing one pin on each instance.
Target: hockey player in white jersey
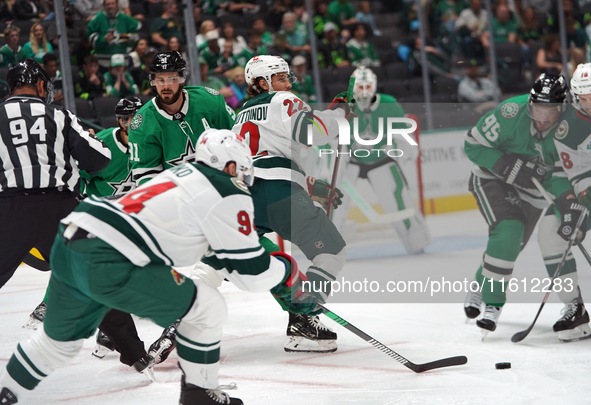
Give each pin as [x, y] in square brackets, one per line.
[118, 254]
[273, 123]
[383, 173]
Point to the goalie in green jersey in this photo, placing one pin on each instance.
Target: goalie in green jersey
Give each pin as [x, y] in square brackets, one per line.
[509, 146]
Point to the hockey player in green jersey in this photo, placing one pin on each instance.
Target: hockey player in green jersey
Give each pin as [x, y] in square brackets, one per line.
[118, 254]
[572, 141]
[272, 121]
[383, 172]
[164, 132]
[509, 146]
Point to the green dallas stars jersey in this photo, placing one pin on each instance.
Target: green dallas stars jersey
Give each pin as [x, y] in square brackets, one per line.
[508, 129]
[573, 142]
[116, 177]
[158, 140]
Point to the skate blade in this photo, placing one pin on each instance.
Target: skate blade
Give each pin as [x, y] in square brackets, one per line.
[580, 332]
[100, 351]
[32, 323]
[149, 373]
[299, 344]
[483, 332]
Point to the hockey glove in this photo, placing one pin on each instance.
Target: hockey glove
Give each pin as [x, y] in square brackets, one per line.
[341, 101]
[289, 292]
[320, 191]
[570, 211]
[585, 198]
[518, 172]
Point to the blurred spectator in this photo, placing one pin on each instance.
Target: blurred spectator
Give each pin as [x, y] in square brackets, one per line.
[549, 58]
[303, 87]
[73, 26]
[51, 67]
[29, 10]
[281, 48]
[437, 62]
[88, 8]
[259, 26]
[11, 53]
[296, 33]
[253, 48]
[206, 26]
[577, 56]
[141, 75]
[212, 81]
[197, 13]
[111, 32]
[360, 50]
[476, 89]
[221, 7]
[229, 34]
[470, 25]
[174, 44]
[89, 84]
[300, 12]
[7, 11]
[320, 17]
[212, 52]
[38, 44]
[276, 12]
[81, 48]
[447, 11]
[575, 37]
[365, 16]
[504, 28]
[341, 12]
[571, 9]
[529, 32]
[237, 87]
[227, 60]
[166, 25]
[118, 81]
[135, 57]
[542, 7]
[331, 52]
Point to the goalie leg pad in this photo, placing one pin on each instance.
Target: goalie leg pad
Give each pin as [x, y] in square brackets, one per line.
[199, 334]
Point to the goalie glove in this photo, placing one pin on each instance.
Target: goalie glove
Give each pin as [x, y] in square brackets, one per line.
[321, 192]
[518, 172]
[570, 211]
[289, 292]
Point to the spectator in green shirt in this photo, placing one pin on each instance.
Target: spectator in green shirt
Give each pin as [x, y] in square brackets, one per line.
[259, 26]
[212, 52]
[341, 12]
[111, 31]
[11, 53]
[361, 52]
[118, 81]
[320, 17]
[331, 52]
[166, 26]
[295, 32]
[252, 49]
[303, 87]
[504, 28]
[38, 44]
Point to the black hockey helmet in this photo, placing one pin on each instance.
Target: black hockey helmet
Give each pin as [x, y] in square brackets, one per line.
[127, 107]
[167, 62]
[551, 89]
[29, 72]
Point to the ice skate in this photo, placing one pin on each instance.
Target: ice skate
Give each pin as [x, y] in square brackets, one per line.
[36, 317]
[194, 395]
[472, 304]
[145, 365]
[307, 334]
[574, 324]
[7, 397]
[161, 349]
[103, 345]
[487, 322]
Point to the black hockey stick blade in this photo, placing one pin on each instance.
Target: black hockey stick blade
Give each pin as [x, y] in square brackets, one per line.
[417, 368]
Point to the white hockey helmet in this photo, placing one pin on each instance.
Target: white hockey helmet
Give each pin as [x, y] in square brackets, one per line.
[580, 83]
[366, 85]
[218, 147]
[266, 66]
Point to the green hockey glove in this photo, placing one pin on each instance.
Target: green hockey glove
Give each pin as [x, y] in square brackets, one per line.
[320, 191]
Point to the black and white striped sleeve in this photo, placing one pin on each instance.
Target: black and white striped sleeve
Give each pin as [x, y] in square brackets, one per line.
[90, 152]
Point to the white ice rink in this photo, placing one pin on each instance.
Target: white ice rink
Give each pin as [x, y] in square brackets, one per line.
[543, 371]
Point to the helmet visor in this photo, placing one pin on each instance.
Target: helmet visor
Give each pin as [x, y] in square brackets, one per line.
[545, 114]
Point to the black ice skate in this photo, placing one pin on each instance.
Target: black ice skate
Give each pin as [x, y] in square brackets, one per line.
[7, 397]
[161, 349]
[307, 334]
[472, 304]
[194, 395]
[488, 320]
[574, 324]
[103, 345]
[36, 317]
[145, 365]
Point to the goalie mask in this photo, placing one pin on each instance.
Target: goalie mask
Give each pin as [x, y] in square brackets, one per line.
[218, 147]
[266, 66]
[365, 88]
[580, 84]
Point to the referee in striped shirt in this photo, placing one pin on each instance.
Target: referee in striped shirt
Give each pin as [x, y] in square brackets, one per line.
[42, 147]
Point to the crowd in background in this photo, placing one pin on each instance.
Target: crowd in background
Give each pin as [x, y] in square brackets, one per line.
[111, 43]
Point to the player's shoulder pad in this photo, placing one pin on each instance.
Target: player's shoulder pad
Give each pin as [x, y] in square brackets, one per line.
[201, 90]
[512, 107]
[225, 184]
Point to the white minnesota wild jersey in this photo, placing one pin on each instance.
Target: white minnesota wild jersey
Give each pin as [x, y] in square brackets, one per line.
[175, 218]
[275, 125]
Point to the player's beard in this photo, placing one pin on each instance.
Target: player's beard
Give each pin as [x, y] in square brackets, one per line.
[171, 99]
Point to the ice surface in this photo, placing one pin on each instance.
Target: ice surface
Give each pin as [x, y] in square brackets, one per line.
[543, 371]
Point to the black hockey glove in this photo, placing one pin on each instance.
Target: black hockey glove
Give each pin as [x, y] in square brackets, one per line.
[320, 191]
[518, 172]
[570, 211]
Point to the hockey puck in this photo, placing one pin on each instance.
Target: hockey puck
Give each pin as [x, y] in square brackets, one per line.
[502, 366]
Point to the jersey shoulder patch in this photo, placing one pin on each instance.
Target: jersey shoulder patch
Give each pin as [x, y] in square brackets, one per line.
[136, 121]
[562, 130]
[509, 110]
[223, 183]
[212, 91]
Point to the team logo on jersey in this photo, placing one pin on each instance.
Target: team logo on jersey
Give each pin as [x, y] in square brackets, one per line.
[319, 244]
[513, 200]
[178, 278]
[240, 184]
[123, 186]
[509, 110]
[212, 91]
[136, 122]
[562, 130]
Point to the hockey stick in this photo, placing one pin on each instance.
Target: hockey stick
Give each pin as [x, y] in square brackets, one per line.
[519, 336]
[417, 368]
